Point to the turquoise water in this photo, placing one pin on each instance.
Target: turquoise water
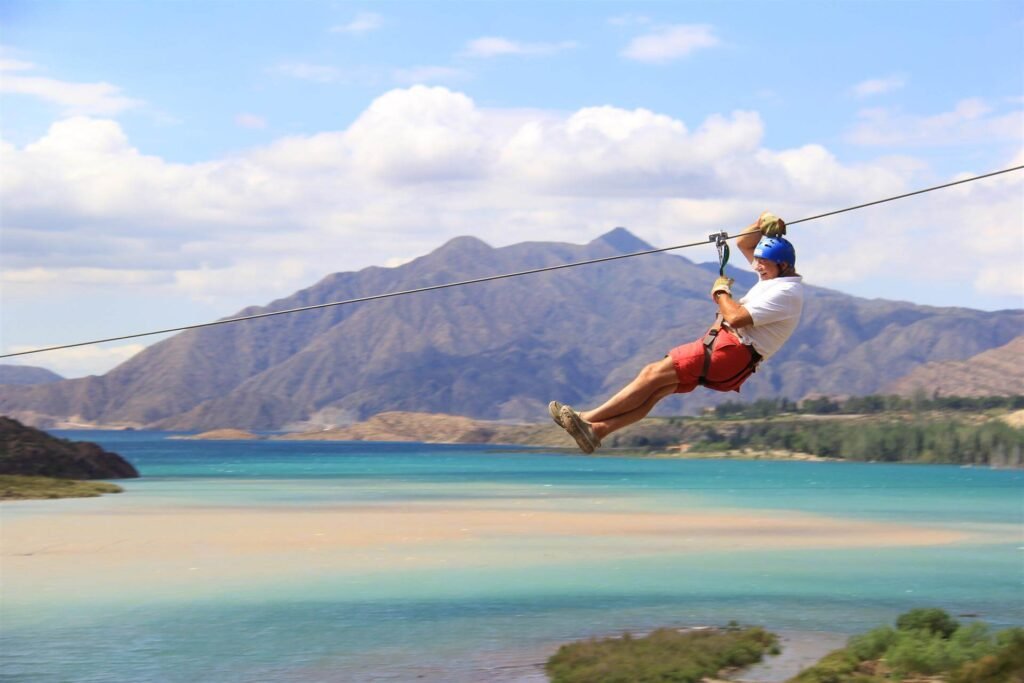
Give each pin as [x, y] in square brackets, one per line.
[467, 619]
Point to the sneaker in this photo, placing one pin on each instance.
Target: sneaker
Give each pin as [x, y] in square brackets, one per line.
[555, 409]
[580, 430]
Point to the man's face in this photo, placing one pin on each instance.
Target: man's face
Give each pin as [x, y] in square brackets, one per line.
[766, 270]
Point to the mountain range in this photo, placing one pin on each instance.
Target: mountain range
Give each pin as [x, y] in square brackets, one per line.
[495, 350]
[25, 375]
[998, 371]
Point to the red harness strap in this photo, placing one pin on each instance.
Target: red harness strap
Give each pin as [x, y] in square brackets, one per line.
[739, 377]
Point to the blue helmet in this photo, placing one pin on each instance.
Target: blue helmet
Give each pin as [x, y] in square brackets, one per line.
[777, 249]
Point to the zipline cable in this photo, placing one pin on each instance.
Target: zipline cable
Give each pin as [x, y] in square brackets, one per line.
[905, 195]
[489, 278]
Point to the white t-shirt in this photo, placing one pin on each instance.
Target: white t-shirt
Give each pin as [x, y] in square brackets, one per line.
[774, 306]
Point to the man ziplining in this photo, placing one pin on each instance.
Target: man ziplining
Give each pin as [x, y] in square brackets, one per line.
[745, 333]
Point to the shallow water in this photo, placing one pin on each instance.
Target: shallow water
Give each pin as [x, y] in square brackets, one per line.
[487, 609]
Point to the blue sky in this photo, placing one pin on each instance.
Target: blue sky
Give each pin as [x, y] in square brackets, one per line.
[171, 162]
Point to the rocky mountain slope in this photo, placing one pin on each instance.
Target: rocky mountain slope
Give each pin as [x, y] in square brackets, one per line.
[497, 350]
[996, 372]
[25, 375]
[28, 451]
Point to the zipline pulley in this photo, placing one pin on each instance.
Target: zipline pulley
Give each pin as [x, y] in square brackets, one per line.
[719, 238]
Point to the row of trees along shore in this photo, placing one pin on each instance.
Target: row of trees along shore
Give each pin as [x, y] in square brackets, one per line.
[954, 430]
[868, 405]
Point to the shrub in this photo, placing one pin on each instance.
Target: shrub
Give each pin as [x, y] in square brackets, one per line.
[926, 642]
[918, 652]
[835, 667]
[1005, 665]
[931, 620]
[872, 644]
[663, 655]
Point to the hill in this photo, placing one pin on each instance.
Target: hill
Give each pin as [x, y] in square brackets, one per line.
[31, 452]
[996, 372]
[496, 350]
[432, 428]
[25, 375]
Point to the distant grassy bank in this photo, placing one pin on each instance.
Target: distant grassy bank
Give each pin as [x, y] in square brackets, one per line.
[17, 487]
[953, 430]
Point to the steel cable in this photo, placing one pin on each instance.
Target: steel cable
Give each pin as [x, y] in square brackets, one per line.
[491, 278]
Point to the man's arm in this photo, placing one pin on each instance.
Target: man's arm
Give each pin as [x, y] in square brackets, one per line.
[748, 240]
[766, 224]
[732, 312]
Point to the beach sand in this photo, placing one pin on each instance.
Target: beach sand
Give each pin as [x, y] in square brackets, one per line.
[125, 547]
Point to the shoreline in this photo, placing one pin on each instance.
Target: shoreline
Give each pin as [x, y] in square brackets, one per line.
[774, 437]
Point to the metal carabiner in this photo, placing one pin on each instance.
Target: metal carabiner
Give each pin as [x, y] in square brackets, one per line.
[719, 238]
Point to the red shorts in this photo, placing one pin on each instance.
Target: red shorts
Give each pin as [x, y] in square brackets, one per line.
[728, 359]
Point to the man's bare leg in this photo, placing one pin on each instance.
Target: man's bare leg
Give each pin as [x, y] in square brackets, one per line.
[614, 424]
[654, 378]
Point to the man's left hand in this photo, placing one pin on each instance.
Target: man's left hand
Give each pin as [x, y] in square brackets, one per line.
[771, 225]
[722, 284]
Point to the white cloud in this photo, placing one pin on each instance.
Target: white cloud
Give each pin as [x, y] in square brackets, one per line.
[79, 361]
[1001, 279]
[972, 120]
[494, 46]
[423, 164]
[7, 64]
[879, 86]
[669, 43]
[81, 276]
[397, 261]
[207, 284]
[370, 76]
[251, 121]
[318, 73]
[419, 134]
[362, 23]
[968, 238]
[102, 99]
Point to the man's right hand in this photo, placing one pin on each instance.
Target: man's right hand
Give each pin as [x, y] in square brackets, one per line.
[771, 225]
[722, 284]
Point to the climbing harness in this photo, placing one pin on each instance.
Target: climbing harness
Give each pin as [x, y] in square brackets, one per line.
[709, 348]
[722, 247]
[719, 239]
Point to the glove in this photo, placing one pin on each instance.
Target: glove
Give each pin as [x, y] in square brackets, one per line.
[771, 225]
[722, 284]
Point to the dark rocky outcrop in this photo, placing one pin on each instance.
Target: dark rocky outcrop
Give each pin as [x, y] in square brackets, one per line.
[28, 451]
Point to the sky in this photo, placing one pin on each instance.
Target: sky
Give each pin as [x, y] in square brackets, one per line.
[169, 163]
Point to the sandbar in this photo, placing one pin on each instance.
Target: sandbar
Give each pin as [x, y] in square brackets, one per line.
[144, 546]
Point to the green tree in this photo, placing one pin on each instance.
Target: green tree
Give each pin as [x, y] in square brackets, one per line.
[930, 620]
